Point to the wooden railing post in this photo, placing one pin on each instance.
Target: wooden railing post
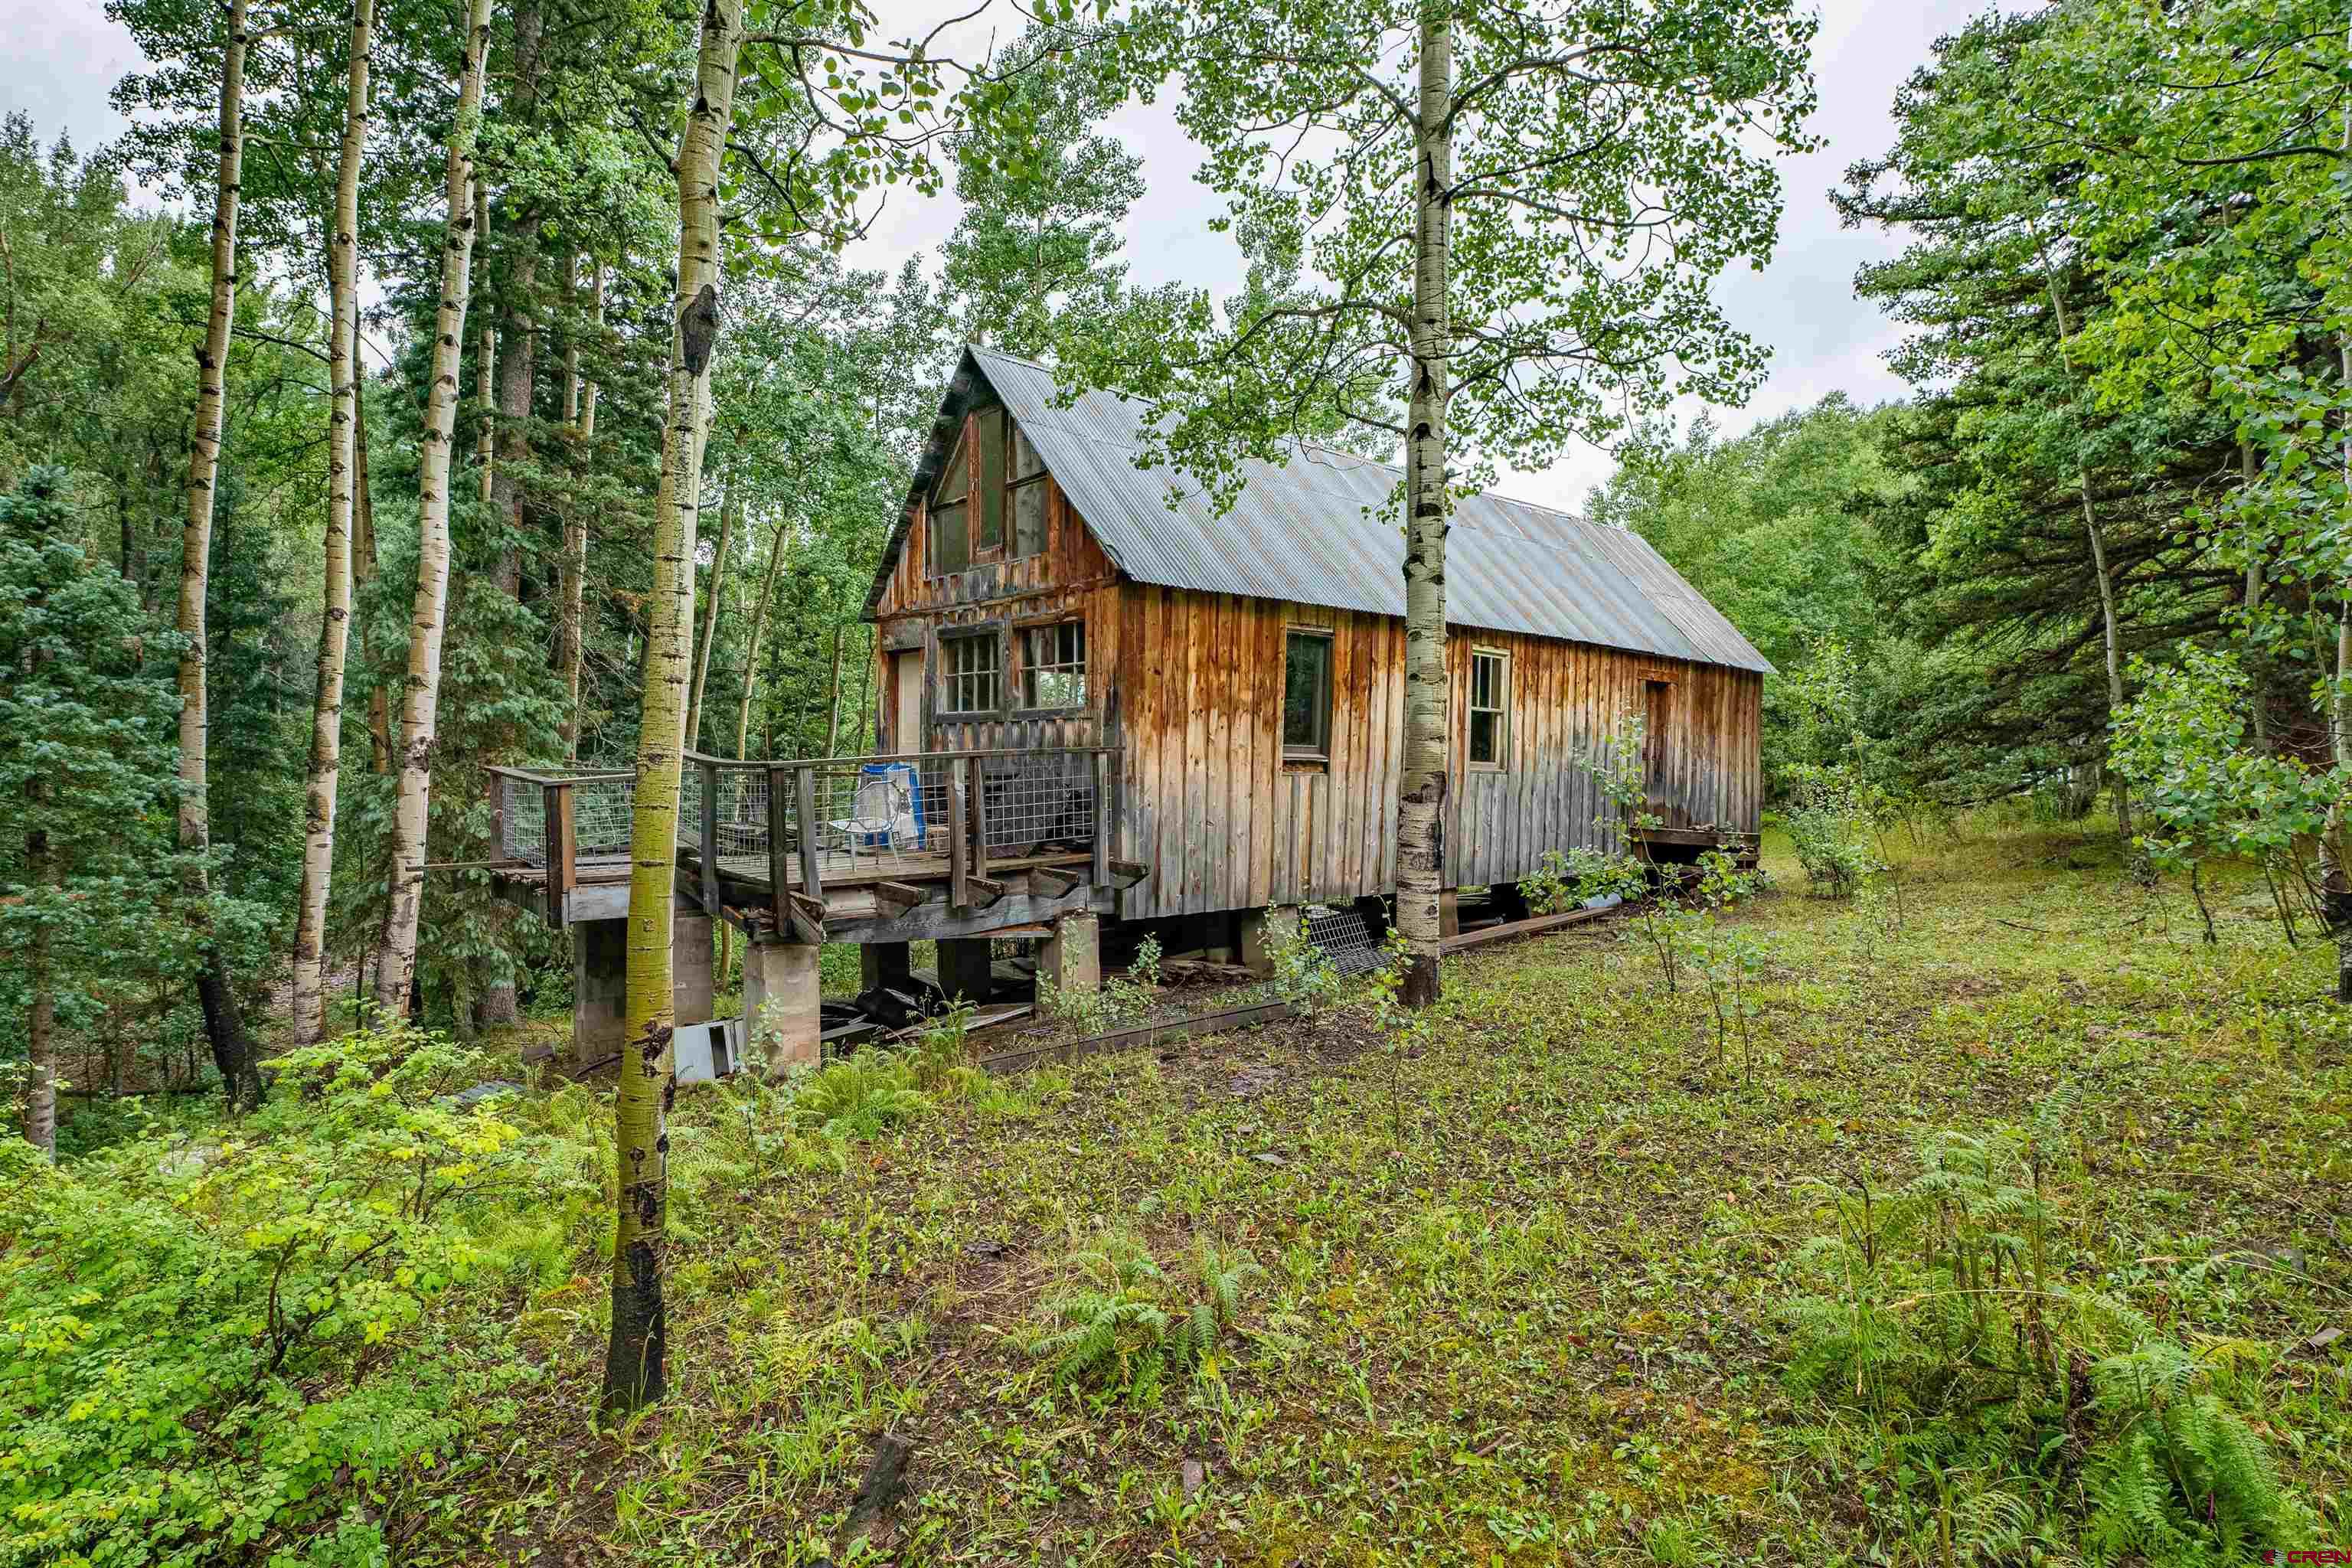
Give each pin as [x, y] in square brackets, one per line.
[805, 793]
[563, 867]
[780, 859]
[710, 839]
[1102, 819]
[498, 814]
[959, 848]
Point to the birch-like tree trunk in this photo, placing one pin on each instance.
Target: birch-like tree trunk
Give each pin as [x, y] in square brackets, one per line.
[635, 1364]
[232, 1049]
[2111, 632]
[752, 643]
[421, 697]
[1422, 784]
[334, 627]
[833, 713]
[363, 566]
[728, 511]
[580, 413]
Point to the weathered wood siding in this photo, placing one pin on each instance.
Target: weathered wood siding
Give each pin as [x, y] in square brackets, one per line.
[1189, 686]
[1071, 577]
[1208, 800]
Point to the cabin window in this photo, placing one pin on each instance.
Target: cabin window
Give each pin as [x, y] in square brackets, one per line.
[951, 515]
[1027, 488]
[1306, 694]
[1490, 684]
[988, 528]
[969, 668]
[1054, 666]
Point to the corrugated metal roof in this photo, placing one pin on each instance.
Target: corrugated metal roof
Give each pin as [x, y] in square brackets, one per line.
[1308, 530]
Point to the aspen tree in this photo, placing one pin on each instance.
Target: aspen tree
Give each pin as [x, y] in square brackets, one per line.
[420, 697]
[233, 1048]
[342, 426]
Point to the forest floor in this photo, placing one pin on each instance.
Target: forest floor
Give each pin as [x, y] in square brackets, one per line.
[1526, 1288]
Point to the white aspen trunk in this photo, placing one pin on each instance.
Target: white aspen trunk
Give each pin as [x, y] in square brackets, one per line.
[486, 365]
[580, 412]
[728, 510]
[751, 644]
[2098, 539]
[334, 629]
[1423, 783]
[635, 1366]
[420, 699]
[224, 1028]
[833, 715]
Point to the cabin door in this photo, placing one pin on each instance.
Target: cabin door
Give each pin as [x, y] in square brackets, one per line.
[906, 700]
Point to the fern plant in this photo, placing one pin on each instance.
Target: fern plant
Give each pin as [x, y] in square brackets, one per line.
[1947, 1312]
[1119, 1323]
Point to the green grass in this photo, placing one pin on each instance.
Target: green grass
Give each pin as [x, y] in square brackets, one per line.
[1523, 1291]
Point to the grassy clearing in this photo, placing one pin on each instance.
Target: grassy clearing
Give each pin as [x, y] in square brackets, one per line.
[1582, 1272]
[1519, 1295]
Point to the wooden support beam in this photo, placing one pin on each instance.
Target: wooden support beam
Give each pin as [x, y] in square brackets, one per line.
[780, 853]
[709, 845]
[1485, 934]
[897, 898]
[978, 837]
[1052, 881]
[563, 867]
[981, 892]
[806, 917]
[1125, 874]
[959, 845]
[1102, 819]
[804, 794]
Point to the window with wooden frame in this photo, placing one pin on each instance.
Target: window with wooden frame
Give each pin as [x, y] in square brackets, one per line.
[1054, 666]
[1490, 690]
[1025, 493]
[1307, 693]
[972, 669]
[951, 514]
[988, 526]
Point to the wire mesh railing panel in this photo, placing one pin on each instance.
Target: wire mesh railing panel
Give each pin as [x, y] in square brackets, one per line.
[742, 804]
[1036, 802]
[602, 810]
[522, 820]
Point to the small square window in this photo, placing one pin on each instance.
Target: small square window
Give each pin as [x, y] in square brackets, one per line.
[1490, 685]
[1306, 694]
[1054, 667]
[969, 674]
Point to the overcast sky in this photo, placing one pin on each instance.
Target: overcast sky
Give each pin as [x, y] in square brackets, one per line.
[64, 55]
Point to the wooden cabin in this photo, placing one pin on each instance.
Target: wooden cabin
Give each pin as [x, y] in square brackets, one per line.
[1246, 670]
[1102, 698]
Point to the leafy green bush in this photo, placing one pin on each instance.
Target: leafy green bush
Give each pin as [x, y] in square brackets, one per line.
[1830, 828]
[1948, 1309]
[210, 1351]
[1122, 1324]
[1303, 974]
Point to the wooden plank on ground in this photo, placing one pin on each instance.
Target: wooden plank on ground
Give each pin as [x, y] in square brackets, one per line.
[1521, 928]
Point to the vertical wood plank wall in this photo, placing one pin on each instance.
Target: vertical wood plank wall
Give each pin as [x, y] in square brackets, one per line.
[1227, 822]
[1189, 686]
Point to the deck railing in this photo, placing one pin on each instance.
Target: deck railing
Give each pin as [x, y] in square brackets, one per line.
[801, 823]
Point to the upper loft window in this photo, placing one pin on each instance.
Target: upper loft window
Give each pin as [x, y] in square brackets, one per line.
[988, 525]
[1306, 694]
[1054, 666]
[951, 513]
[1027, 489]
[1490, 685]
[990, 501]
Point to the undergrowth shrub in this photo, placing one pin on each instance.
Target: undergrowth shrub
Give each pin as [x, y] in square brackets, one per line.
[866, 1095]
[216, 1351]
[1303, 974]
[1117, 1002]
[1120, 1324]
[1831, 831]
[1953, 1311]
